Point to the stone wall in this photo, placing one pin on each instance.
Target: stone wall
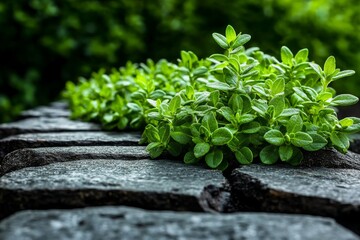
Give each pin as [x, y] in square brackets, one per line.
[66, 179]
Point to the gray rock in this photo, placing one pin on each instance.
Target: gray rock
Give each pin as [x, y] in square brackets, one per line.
[29, 157]
[150, 184]
[130, 223]
[35, 140]
[45, 111]
[59, 104]
[331, 158]
[37, 125]
[317, 191]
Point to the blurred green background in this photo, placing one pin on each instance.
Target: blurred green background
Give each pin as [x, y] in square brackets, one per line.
[45, 43]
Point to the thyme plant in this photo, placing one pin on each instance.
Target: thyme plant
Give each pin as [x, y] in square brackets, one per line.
[236, 106]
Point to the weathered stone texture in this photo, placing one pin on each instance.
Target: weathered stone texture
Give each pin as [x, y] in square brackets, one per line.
[97, 138]
[130, 223]
[45, 111]
[319, 191]
[37, 125]
[30, 157]
[331, 158]
[151, 184]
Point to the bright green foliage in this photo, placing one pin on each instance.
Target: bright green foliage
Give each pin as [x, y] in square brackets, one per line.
[48, 42]
[230, 107]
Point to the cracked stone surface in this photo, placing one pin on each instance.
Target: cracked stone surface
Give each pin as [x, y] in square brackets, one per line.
[37, 125]
[97, 138]
[319, 191]
[150, 184]
[131, 223]
[29, 157]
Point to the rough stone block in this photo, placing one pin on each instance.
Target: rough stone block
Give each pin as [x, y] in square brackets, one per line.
[62, 139]
[150, 184]
[37, 125]
[130, 223]
[29, 157]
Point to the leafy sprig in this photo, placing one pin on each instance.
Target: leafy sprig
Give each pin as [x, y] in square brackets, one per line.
[233, 107]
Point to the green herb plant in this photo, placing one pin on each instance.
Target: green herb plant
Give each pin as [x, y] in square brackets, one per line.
[229, 108]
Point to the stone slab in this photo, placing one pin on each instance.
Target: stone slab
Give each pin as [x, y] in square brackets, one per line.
[149, 184]
[131, 223]
[37, 125]
[59, 104]
[29, 157]
[97, 138]
[45, 111]
[318, 191]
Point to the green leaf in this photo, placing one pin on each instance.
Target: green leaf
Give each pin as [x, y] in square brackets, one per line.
[201, 149]
[230, 77]
[279, 104]
[286, 55]
[200, 71]
[317, 69]
[246, 105]
[122, 123]
[318, 143]
[230, 34]
[221, 136]
[346, 122]
[164, 133]
[289, 112]
[155, 149]
[181, 137]
[274, 137]
[340, 140]
[300, 92]
[295, 124]
[223, 165]
[236, 102]
[252, 127]
[244, 156]
[214, 158]
[301, 139]
[296, 158]
[355, 127]
[174, 104]
[174, 148]
[190, 158]
[329, 66]
[342, 74]
[214, 97]
[240, 40]
[220, 40]
[260, 107]
[219, 86]
[246, 118]
[302, 55]
[278, 86]
[285, 152]
[269, 154]
[209, 121]
[324, 96]
[344, 100]
[219, 57]
[259, 90]
[152, 133]
[227, 113]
